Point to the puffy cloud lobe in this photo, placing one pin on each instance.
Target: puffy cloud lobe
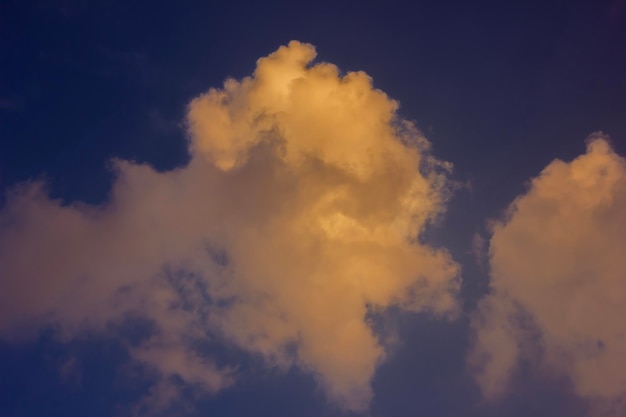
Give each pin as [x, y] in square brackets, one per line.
[559, 281]
[299, 210]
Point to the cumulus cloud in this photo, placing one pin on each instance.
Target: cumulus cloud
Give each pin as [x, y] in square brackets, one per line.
[299, 212]
[558, 281]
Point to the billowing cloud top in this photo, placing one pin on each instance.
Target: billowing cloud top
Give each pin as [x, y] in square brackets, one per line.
[300, 210]
[558, 290]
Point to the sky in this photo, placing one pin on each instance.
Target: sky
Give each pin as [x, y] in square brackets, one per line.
[346, 209]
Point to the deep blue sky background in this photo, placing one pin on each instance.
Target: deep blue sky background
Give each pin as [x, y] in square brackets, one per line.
[500, 89]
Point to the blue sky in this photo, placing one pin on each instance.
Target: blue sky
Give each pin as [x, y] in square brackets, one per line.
[500, 90]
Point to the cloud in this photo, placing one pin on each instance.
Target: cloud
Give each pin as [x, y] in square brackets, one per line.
[479, 250]
[299, 213]
[558, 281]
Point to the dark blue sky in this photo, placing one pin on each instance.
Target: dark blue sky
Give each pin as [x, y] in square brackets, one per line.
[499, 88]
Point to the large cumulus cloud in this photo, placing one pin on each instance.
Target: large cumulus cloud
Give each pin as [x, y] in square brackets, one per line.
[299, 212]
[558, 275]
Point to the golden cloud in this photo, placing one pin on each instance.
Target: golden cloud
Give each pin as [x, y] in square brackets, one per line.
[300, 210]
[558, 284]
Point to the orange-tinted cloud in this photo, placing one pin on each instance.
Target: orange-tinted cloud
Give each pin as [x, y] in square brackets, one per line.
[558, 275]
[299, 210]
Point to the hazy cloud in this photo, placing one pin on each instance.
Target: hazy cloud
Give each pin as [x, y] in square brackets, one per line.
[299, 212]
[558, 289]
